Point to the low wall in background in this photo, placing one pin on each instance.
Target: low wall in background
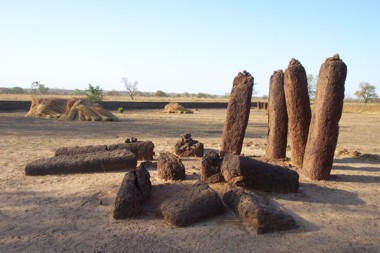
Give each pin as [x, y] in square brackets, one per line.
[113, 105]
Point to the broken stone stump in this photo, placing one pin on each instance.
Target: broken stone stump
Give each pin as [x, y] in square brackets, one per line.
[258, 212]
[324, 127]
[187, 147]
[238, 110]
[277, 118]
[170, 167]
[144, 150]
[210, 170]
[257, 175]
[298, 108]
[75, 150]
[83, 163]
[190, 205]
[134, 190]
[129, 140]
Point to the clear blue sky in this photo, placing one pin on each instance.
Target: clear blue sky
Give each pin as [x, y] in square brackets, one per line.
[183, 46]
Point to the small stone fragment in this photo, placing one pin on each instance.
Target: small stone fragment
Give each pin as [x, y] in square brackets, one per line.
[170, 167]
[210, 170]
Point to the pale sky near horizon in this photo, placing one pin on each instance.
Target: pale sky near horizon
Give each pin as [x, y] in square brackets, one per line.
[183, 46]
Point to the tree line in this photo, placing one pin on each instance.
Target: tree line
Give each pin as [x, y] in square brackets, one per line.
[366, 91]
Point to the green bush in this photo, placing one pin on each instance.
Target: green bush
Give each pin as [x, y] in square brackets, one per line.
[120, 109]
[94, 93]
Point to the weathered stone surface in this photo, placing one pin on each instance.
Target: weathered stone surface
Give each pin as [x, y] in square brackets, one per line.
[75, 150]
[324, 128]
[257, 175]
[83, 163]
[144, 150]
[143, 179]
[191, 205]
[238, 111]
[134, 190]
[170, 167]
[187, 147]
[129, 140]
[210, 170]
[258, 212]
[277, 118]
[298, 108]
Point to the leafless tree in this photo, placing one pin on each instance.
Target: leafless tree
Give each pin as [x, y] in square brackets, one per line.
[131, 87]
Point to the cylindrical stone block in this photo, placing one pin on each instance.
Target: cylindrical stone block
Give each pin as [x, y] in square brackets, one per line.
[324, 127]
[298, 108]
[277, 118]
[103, 161]
[238, 111]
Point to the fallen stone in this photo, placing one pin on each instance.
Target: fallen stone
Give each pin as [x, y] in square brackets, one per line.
[170, 167]
[324, 127]
[277, 118]
[83, 163]
[144, 150]
[187, 147]
[191, 205]
[210, 170]
[238, 111]
[298, 108]
[134, 190]
[257, 175]
[75, 150]
[258, 212]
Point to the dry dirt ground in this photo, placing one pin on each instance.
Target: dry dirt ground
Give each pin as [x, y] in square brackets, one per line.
[73, 213]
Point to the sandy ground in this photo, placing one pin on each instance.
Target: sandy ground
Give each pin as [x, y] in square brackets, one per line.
[73, 213]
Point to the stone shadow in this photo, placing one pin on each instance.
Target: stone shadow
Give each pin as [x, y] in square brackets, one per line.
[312, 193]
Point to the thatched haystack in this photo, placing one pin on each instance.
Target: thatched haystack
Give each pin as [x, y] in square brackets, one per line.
[86, 110]
[47, 108]
[176, 108]
[69, 109]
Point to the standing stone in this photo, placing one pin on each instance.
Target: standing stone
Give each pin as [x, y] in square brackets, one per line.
[238, 111]
[298, 108]
[324, 127]
[277, 118]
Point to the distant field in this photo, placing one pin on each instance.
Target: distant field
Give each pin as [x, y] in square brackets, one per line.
[348, 107]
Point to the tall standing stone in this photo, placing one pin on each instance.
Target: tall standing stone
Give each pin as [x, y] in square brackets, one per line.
[238, 111]
[298, 108]
[324, 127]
[277, 118]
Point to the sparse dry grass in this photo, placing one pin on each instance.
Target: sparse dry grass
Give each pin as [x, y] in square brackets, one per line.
[361, 107]
[28, 97]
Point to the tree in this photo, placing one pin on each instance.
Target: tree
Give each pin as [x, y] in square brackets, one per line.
[38, 87]
[160, 93]
[94, 93]
[366, 92]
[311, 85]
[131, 87]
